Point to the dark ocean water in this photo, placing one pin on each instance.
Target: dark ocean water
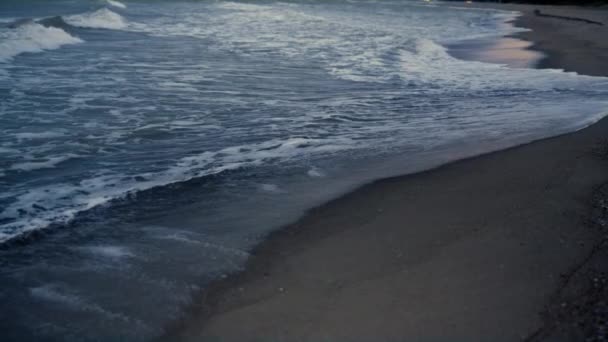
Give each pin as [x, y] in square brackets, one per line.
[147, 145]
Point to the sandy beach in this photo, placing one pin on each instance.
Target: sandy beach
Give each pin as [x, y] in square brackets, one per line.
[507, 246]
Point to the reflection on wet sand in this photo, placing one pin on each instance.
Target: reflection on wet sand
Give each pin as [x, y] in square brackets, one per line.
[515, 53]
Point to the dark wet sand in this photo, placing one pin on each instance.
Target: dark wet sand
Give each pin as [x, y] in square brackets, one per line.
[493, 248]
[568, 45]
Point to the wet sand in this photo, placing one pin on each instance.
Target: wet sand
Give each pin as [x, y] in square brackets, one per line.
[511, 51]
[502, 247]
[568, 45]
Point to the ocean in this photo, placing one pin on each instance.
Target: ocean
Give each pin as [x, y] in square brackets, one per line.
[147, 146]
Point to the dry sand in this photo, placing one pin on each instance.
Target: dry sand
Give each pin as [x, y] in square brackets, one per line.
[495, 248]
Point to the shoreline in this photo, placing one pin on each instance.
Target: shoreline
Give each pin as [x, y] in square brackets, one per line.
[579, 39]
[594, 65]
[368, 249]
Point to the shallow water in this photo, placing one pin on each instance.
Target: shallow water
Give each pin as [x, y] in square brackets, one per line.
[149, 145]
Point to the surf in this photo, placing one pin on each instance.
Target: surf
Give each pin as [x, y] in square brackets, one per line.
[29, 36]
[100, 19]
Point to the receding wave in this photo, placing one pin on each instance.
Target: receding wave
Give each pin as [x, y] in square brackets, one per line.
[102, 19]
[32, 37]
[42, 207]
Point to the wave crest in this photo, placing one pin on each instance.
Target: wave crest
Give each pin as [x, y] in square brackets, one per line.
[116, 3]
[33, 37]
[102, 19]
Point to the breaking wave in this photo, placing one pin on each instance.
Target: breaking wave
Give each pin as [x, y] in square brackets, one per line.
[32, 37]
[101, 19]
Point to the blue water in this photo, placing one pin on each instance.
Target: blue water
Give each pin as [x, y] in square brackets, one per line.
[145, 146]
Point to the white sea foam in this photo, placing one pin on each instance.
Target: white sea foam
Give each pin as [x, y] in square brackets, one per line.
[179, 237]
[271, 188]
[32, 38]
[37, 208]
[38, 135]
[112, 252]
[53, 294]
[356, 51]
[116, 4]
[241, 6]
[101, 19]
[48, 163]
[315, 172]
[188, 237]
[420, 57]
[63, 296]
